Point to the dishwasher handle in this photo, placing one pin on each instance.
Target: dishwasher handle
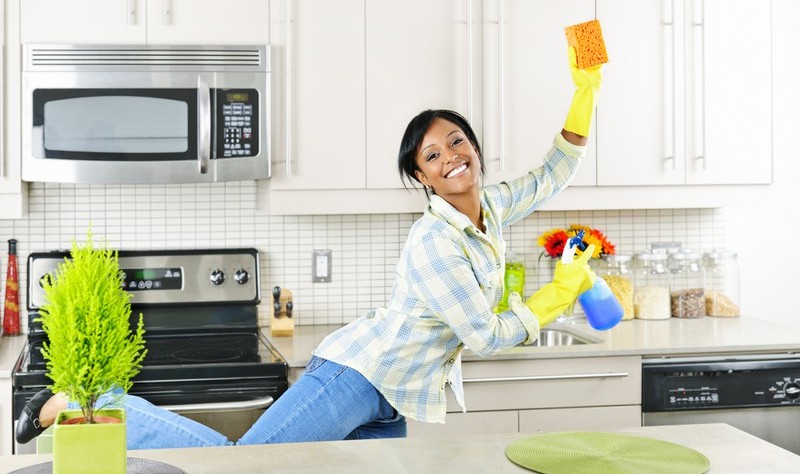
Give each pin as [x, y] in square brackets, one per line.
[257, 404]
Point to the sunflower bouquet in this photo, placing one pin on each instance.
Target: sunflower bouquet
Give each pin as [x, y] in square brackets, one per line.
[554, 240]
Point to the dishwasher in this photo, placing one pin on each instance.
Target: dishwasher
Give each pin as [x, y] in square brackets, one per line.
[759, 394]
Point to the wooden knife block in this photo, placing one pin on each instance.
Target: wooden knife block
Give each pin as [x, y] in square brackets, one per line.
[281, 325]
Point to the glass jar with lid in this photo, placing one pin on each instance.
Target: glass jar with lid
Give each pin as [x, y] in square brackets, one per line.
[722, 283]
[687, 291]
[651, 280]
[618, 275]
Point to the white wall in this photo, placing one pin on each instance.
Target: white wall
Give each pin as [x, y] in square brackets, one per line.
[767, 233]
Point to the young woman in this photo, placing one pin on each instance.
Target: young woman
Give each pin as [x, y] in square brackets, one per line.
[394, 362]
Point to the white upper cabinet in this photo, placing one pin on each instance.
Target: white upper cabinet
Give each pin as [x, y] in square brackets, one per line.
[350, 77]
[527, 84]
[730, 120]
[319, 126]
[686, 97]
[145, 21]
[676, 108]
[83, 21]
[420, 54]
[207, 21]
[13, 192]
[348, 100]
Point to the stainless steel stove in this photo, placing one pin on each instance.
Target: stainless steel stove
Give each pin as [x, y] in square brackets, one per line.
[205, 352]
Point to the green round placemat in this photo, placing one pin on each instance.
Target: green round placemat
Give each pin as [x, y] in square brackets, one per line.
[590, 452]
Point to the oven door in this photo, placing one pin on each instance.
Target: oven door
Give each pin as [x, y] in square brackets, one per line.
[230, 411]
[136, 123]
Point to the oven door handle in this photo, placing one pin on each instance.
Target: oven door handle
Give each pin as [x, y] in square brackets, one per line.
[203, 124]
[256, 404]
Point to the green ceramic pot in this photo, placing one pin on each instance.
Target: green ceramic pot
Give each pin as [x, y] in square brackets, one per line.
[87, 449]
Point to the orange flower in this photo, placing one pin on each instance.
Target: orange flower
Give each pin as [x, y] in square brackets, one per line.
[554, 241]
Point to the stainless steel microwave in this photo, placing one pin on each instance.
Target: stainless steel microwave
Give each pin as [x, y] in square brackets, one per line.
[145, 114]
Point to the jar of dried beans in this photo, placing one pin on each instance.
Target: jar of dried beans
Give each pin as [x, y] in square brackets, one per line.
[722, 283]
[651, 280]
[619, 277]
[687, 291]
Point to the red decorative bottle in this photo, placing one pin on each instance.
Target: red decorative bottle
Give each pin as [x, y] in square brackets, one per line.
[11, 306]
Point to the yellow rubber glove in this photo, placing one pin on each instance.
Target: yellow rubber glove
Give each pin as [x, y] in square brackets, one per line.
[569, 281]
[587, 82]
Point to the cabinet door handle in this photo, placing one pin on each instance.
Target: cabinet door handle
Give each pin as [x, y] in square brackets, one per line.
[130, 12]
[669, 26]
[166, 12]
[287, 101]
[204, 122]
[699, 83]
[529, 378]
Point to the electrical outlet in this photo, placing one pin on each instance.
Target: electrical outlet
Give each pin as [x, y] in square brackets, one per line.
[321, 266]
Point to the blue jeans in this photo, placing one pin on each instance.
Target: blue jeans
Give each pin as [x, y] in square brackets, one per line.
[328, 402]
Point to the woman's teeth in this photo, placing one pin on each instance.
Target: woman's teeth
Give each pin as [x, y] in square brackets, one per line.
[456, 171]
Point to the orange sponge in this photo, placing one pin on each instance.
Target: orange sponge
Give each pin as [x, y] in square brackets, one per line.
[587, 39]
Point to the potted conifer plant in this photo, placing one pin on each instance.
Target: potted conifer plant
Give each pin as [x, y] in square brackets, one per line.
[92, 349]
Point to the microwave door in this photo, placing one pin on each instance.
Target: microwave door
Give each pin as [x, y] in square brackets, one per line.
[122, 135]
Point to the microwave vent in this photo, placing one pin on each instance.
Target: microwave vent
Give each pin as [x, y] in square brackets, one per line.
[111, 57]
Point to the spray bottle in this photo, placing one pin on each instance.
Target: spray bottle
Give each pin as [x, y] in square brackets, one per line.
[602, 309]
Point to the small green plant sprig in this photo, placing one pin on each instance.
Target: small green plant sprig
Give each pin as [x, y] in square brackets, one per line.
[86, 317]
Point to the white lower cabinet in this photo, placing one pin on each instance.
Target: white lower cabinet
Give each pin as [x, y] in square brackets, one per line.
[539, 395]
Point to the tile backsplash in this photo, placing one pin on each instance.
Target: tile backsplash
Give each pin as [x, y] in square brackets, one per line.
[364, 248]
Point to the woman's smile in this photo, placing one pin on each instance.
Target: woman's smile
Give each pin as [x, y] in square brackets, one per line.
[457, 170]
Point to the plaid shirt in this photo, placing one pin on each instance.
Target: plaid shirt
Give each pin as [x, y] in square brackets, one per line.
[448, 279]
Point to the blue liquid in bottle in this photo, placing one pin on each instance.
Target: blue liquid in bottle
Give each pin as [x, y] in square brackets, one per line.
[602, 309]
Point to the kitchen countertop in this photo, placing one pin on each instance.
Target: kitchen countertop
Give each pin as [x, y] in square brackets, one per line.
[670, 337]
[728, 449]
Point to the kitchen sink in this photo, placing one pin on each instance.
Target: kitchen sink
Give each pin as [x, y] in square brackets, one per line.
[555, 337]
[562, 336]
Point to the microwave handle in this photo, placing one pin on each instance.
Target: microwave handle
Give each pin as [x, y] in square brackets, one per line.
[204, 124]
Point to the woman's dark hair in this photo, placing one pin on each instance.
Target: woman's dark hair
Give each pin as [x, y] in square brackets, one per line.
[415, 132]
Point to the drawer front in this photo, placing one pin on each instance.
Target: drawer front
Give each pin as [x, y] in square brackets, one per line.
[577, 419]
[460, 424]
[550, 383]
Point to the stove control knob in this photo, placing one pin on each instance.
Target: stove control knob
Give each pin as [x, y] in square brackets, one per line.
[792, 390]
[241, 276]
[217, 277]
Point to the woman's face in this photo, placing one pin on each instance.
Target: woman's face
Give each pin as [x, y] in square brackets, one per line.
[447, 161]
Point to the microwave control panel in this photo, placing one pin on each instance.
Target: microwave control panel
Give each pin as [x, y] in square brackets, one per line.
[237, 123]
